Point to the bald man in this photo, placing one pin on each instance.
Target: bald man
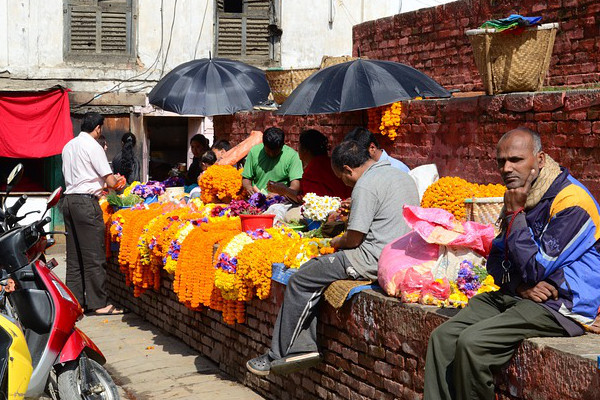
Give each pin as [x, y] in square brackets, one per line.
[546, 261]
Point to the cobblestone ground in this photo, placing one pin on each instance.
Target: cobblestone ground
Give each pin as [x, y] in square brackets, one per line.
[147, 363]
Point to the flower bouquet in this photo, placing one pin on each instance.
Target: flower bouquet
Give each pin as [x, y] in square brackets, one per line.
[149, 191]
[471, 280]
[316, 208]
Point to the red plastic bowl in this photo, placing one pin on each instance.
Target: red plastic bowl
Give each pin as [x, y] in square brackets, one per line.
[253, 222]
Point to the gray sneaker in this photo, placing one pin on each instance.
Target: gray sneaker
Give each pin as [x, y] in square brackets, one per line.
[260, 365]
[295, 362]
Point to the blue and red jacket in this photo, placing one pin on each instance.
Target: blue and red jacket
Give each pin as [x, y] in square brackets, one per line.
[556, 241]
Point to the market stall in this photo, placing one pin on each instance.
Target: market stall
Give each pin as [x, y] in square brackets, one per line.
[223, 250]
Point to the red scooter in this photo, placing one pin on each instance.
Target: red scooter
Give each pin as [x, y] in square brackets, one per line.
[67, 365]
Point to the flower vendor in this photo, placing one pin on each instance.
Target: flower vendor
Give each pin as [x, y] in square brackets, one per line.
[220, 147]
[271, 161]
[86, 171]
[367, 139]
[379, 192]
[546, 261]
[199, 145]
[318, 177]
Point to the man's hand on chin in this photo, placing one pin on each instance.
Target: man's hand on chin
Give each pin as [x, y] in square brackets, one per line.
[515, 199]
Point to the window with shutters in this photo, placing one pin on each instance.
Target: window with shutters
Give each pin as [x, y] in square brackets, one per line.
[243, 32]
[99, 30]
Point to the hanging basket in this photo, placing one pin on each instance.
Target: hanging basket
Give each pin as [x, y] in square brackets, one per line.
[284, 81]
[513, 62]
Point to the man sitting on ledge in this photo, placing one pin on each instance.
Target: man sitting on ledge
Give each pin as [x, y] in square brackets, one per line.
[375, 219]
[547, 263]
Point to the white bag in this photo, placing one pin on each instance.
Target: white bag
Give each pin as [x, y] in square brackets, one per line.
[424, 175]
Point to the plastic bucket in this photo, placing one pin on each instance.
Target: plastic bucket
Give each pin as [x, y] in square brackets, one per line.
[253, 222]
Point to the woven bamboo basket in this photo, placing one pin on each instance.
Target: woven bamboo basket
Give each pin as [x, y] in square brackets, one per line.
[328, 61]
[513, 62]
[484, 210]
[284, 81]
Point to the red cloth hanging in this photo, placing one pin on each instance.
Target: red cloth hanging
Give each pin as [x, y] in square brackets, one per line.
[34, 124]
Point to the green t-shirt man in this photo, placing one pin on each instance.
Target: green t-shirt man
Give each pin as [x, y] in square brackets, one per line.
[260, 168]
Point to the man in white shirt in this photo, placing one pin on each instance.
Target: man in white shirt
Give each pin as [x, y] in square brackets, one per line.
[86, 172]
[367, 139]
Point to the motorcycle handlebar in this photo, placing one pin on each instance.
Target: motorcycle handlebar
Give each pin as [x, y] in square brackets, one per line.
[14, 209]
[40, 224]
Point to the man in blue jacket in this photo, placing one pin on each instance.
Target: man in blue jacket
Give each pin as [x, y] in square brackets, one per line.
[546, 261]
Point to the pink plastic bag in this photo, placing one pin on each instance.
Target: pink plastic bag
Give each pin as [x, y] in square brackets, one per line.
[417, 252]
[440, 227]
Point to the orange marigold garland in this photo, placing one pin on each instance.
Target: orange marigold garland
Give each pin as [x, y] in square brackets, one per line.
[390, 120]
[129, 256]
[221, 184]
[194, 275]
[385, 120]
[449, 193]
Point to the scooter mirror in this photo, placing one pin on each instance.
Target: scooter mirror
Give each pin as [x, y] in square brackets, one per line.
[54, 197]
[14, 177]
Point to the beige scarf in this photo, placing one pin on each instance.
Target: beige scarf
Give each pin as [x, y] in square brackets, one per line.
[541, 185]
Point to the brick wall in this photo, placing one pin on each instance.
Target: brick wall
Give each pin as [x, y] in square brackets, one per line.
[459, 135]
[433, 40]
[373, 348]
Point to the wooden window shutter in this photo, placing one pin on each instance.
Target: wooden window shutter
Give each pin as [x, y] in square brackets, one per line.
[83, 22]
[229, 36]
[257, 33]
[99, 27]
[115, 28]
[244, 36]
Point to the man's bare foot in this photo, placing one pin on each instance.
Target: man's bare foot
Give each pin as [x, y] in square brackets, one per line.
[109, 310]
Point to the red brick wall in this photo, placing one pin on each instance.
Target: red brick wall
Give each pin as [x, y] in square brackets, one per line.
[433, 40]
[373, 347]
[459, 135]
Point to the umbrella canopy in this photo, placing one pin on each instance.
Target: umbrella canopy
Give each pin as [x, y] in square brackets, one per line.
[357, 85]
[210, 86]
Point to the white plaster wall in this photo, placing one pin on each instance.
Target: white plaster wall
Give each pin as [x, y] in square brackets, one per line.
[31, 38]
[308, 33]
[31, 43]
[412, 5]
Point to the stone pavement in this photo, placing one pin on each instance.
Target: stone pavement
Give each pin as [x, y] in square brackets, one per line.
[148, 364]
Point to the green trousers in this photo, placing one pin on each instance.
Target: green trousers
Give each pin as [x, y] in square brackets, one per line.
[465, 351]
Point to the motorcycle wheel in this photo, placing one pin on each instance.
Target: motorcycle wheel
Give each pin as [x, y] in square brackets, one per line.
[69, 383]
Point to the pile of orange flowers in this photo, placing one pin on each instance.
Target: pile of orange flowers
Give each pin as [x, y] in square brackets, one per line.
[449, 193]
[386, 120]
[221, 184]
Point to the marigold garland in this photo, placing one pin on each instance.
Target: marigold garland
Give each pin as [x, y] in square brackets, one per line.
[129, 257]
[221, 184]
[195, 274]
[385, 120]
[449, 193]
[256, 259]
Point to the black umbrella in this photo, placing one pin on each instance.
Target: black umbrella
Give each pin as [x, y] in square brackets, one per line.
[210, 86]
[358, 85]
